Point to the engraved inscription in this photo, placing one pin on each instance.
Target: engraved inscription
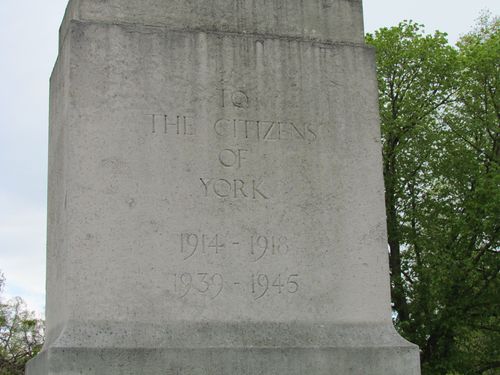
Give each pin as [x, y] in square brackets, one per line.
[263, 284]
[199, 283]
[263, 245]
[257, 247]
[232, 158]
[260, 130]
[236, 188]
[257, 285]
[240, 99]
[171, 125]
[193, 243]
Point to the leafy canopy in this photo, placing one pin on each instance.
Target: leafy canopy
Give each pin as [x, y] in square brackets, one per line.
[440, 121]
[21, 335]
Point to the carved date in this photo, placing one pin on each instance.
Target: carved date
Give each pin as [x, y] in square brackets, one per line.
[192, 243]
[257, 247]
[213, 284]
[263, 245]
[199, 283]
[263, 284]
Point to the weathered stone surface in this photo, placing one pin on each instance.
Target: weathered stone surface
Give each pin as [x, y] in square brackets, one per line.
[216, 194]
[335, 20]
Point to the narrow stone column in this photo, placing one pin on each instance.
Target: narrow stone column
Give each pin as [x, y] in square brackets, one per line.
[216, 193]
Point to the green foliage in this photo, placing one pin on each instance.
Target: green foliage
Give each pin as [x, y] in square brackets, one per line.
[441, 123]
[21, 335]
[416, 75]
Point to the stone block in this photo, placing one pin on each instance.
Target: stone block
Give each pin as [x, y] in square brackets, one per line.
[216, 194]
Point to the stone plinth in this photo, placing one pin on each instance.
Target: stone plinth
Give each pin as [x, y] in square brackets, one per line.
[216, 193]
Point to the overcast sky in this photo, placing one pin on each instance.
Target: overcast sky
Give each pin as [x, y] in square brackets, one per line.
[28, 48]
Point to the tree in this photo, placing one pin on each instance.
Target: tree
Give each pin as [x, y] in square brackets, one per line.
[440, 125]
[416, 80]
[473, 148]
[21, 335]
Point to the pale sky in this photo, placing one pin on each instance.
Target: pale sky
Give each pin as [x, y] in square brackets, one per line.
[28, 48]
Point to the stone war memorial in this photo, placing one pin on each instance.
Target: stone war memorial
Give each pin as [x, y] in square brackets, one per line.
[216, 199]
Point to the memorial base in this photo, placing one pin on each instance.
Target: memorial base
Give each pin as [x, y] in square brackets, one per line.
[226, 349]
